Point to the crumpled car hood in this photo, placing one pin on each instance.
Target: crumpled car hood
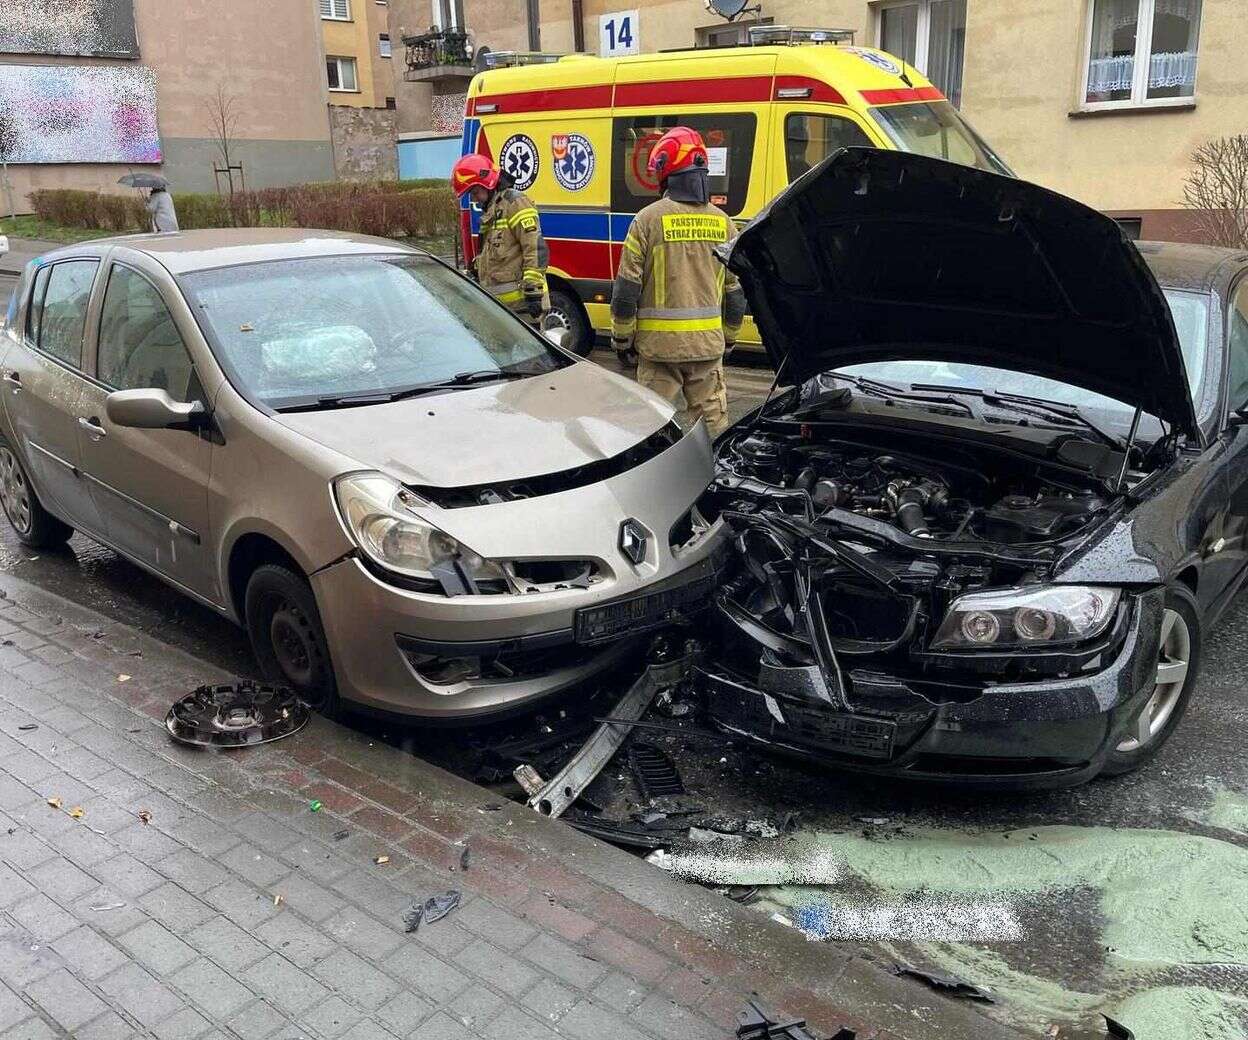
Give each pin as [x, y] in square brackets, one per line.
[878, 255]
[493, 432]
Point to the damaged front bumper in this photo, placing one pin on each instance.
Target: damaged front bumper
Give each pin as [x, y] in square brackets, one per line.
[1049, 732]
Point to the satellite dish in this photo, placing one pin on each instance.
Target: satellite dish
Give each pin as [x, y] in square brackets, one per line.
[728, 9]
[478, 61]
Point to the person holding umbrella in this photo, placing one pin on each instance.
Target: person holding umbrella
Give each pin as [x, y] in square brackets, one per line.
[159, 201]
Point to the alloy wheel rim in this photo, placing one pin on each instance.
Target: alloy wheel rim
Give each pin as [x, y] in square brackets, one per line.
[1173, 661]
[14, 493]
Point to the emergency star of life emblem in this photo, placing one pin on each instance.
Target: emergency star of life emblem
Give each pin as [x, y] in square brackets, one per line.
[574, 160]
[633, 541]
[878, 60]
[518, 159]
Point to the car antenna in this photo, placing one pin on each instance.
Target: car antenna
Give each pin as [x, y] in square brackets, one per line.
[1126, 458]
[903, 77]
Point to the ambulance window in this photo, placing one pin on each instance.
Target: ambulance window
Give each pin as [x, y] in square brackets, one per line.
[810, 138]
[729, 144]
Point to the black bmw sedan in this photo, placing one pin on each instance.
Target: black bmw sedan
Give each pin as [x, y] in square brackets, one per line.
[983, 534]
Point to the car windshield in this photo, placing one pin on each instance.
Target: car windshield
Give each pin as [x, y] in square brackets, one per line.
[1191, 319]
[292, 333]
[937, 129]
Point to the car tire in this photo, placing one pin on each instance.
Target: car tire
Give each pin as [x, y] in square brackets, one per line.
[1179, 655]
[288, 639]
[567, 313]
[34, 526]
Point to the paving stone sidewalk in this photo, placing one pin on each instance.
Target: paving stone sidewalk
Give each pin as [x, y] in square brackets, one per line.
[234, 910]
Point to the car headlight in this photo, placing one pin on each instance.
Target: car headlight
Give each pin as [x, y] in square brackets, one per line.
[378, 514]
[1049, 615]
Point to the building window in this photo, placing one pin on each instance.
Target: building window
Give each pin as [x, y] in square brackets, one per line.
[341, 73]
[727, 35]
[1141, 52]
[1132, 227]
[337, 10]
[448, 14]
[383, 45]
[391, 104]
[930, 35]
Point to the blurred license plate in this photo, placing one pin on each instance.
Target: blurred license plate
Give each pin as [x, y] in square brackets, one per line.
[640, 614]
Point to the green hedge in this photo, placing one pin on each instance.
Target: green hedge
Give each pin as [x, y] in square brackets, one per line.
[391, 209]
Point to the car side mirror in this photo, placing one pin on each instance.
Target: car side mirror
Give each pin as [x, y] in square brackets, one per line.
[153, 409]
[557, 336]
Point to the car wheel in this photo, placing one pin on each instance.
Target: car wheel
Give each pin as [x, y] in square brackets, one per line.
[35, 526]
[1178, 661]
[566, 313]
[288, 639]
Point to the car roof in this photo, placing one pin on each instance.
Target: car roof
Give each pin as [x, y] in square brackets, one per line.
[1182, 265]
[184, 251]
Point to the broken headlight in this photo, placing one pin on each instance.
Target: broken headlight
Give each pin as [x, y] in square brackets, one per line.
[378, 514]
[1052, 615]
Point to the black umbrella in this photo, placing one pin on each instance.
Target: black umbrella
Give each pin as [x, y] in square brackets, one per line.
[144, 180]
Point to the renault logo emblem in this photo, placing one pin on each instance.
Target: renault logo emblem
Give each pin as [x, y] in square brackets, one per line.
[633, 541]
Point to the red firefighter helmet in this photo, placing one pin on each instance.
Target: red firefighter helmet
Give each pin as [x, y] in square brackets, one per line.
[679, 149]
[471, 170]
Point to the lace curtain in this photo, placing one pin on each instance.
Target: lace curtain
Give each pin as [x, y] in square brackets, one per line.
[1165, 70]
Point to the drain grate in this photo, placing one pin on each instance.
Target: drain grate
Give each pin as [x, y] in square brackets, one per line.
[654, 771]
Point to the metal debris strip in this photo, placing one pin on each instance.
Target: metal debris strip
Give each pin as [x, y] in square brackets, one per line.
[654, 771]
[949, 984]
[432, 909]
[236, 715]
[566, 786]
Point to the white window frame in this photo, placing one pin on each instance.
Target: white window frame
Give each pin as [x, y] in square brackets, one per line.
[384, 47]
[332, 16]
[922, 32]
[1143, 64]
[343, 60]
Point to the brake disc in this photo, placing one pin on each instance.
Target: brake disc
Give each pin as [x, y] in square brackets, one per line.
[236, 715]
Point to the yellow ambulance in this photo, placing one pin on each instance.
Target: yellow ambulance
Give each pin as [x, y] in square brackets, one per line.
[575, 132]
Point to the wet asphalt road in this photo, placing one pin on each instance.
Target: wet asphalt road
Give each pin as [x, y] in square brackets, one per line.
[1067, 948]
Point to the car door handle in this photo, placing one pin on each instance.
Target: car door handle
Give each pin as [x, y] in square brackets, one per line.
[92, 426]
[14, 380]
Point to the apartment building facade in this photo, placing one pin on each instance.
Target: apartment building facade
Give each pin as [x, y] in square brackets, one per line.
[359, 83]
[93, 89]
[1104, 100]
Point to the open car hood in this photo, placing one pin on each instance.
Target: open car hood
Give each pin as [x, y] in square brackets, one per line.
[878, 255]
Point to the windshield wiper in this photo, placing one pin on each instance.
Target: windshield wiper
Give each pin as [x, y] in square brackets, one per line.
[879, 389]
[460, 379]
[1021, 403]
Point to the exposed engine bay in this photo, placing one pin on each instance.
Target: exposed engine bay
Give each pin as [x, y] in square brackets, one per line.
[952, 499]
[852, 551]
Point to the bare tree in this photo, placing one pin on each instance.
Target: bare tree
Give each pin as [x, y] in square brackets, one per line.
[223, 107]
[1216, 191]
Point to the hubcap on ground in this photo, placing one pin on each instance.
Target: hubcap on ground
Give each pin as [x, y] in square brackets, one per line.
[1172, 665]
[14, 494]
[292, 644]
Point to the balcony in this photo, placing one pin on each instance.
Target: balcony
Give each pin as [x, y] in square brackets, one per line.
[438, 54]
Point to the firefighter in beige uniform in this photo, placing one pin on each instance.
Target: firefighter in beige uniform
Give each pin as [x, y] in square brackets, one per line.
[512, 258]
[673, 302]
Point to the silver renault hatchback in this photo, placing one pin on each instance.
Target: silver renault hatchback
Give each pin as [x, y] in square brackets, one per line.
[409, 499]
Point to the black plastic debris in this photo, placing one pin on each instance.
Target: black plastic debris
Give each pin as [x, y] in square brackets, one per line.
[236, 715]
[755, 1022]
[464, 857]
[1116, 1030]
[341, 835]
[25, 727]
[950, 984]
[432, 909]
[654, 771]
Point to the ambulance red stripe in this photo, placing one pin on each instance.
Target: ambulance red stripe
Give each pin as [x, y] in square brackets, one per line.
[897, 95]
[730, 90]
[597, 96]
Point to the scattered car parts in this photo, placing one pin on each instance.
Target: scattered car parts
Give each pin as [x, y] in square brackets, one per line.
[432, 909]
[654, 771]
[949, 984]
[755, 1022]
[564, 788]
[236, 715]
